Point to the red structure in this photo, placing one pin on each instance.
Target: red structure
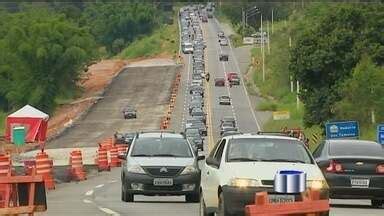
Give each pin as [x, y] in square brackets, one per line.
[34, 121]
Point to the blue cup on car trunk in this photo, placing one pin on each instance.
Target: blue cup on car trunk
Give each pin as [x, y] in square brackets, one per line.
[290, 181]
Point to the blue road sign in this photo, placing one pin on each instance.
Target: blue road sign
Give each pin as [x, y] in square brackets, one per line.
[380, 133]
[346, 129]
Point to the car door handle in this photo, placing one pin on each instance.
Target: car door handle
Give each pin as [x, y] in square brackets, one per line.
[207, 172]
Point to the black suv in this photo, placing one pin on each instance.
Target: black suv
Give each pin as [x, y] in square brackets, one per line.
[160, 163]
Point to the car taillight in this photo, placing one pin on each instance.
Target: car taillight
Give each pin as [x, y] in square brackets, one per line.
[380, 169]
[334, 167]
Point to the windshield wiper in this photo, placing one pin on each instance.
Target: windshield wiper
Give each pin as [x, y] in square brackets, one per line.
[141, 155]
[283, 160]
[166, 155]
[243, 159]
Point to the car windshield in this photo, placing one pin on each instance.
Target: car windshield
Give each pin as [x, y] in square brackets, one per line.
[269, 150]
[158, 147]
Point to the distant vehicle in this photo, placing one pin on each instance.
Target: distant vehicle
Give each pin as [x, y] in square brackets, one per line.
[220, 34]
[210, 14]
[228, 128]
[223, 57]
[241, 165]
[224, 100]
[194, 136]
[230, 119]
[219, 82]
[187, 48]
[233, 78]
[201, 126]
[198, 113]
[160, 163]
[354, 169]
[129, 112]
[223, 42]
[230, 133]
[204, 18]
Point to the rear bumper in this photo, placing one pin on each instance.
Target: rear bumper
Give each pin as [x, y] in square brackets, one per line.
[340, 187]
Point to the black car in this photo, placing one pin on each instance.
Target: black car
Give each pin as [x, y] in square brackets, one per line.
[129, 112]
[354, 169]
[160, 163]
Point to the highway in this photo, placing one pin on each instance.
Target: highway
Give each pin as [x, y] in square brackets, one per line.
[100, 194]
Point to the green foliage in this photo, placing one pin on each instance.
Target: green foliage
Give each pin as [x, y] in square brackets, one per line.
[3, 116]
[328, 48]
[267, 106]
[120, 21]
[367, 87]
[42, 54]
[161, 41]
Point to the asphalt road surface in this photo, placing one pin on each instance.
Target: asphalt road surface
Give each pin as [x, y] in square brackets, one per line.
[100, 195]
[145, 88]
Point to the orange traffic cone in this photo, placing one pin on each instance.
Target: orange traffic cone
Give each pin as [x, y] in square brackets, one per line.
[102, 159]
[115, 162]
[44, 167]
[77, 172]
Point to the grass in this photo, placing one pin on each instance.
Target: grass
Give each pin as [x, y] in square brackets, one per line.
[164, 40]
[3, 116]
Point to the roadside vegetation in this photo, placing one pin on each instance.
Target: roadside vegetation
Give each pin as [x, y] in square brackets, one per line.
[46, 46]
[164, 40]
[337, 56]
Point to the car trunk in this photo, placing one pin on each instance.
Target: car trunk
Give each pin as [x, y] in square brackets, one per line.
[359, 166]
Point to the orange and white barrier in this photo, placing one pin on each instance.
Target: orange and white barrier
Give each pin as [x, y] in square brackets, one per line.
[102, 159]
[115, 162]
[44, 167]
[76, 170]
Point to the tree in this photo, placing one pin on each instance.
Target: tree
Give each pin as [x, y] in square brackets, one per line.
[126, 21]
[362, 94]
[324, 55]
[42, 54]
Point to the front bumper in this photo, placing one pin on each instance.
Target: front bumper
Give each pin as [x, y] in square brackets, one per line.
[150, 190]
[236, 198]
[340, 187]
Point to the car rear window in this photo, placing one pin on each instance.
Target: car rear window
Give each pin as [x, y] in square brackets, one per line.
[267, 150]
[345, 148]
[150, 146]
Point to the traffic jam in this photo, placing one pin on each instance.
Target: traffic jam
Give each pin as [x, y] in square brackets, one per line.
[241, 166]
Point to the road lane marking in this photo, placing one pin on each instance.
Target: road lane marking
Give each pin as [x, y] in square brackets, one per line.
[189, 65]
[109, 211]
[89, 193]
[113, 181]
[243, 84]
[87, 201]
[208, 102]
[99, 186]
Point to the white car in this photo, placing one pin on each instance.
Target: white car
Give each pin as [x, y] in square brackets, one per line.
[187, 48]
[241, 165]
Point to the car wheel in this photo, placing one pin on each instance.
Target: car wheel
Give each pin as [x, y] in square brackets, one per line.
[222, 211]
[377, 203]
[192, 198]
[203, 208]
[126, 197]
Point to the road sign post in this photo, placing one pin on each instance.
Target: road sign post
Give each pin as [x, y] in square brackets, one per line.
[380, 133]
[345, 129]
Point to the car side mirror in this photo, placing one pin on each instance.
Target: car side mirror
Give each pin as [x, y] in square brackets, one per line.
[212, 162]
[201, 157]
[122, 156]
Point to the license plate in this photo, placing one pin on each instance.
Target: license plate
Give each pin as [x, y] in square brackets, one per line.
[163, 182]
[360, 183]
[281, 198]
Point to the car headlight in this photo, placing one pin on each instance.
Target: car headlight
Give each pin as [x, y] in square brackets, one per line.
[188, 170]
[135, 169]
[317, 184]
[243, 182]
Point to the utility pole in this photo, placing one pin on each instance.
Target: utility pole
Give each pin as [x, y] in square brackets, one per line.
[272, 22]
[291, 79]
[262, 44]
[243, 18]
[297, 94]
[269, 47]
[290, 41]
